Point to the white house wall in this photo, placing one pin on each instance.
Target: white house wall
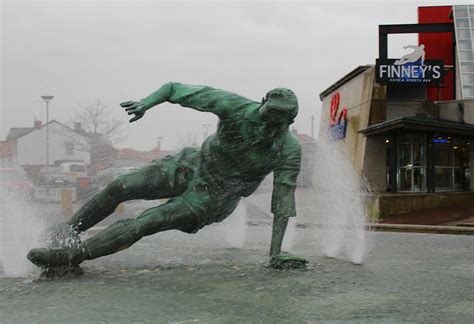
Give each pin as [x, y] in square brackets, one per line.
[31, 148]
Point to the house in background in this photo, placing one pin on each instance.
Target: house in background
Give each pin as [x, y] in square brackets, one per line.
[26, 146]
[7, 152]
[31, 146]
[8, 146]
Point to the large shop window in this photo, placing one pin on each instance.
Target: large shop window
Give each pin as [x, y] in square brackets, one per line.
[411, 164]
[451, 164]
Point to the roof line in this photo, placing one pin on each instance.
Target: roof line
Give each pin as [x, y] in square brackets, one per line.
[346, 78]
[51, 121]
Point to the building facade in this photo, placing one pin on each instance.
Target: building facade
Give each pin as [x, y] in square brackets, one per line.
[64, 143]
[408, 122]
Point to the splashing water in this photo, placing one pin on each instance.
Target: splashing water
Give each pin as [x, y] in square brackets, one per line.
[20, 230]
[235, 227]
[338, 205]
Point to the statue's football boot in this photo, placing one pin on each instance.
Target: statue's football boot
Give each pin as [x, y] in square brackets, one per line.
[56, 257]
[114, 238]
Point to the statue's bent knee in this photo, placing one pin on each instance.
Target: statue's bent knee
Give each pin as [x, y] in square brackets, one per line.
[153, 220]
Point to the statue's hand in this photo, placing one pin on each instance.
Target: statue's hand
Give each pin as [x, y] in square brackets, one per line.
[138, 108]
[287, 262]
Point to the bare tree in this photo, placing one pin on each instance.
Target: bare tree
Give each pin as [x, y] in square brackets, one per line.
[97, 118]
[100, 131]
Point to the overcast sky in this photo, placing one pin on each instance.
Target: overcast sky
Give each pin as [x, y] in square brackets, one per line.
[79, 51]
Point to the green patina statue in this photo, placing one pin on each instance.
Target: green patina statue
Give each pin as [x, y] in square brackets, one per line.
[204, 185]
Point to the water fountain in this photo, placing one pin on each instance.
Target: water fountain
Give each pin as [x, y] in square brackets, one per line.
[336, 197]
[218, 275]
[21, 226]
[338, 205]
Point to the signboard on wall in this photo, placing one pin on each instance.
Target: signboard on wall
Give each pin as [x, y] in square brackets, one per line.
[337, 118]
[411, 68]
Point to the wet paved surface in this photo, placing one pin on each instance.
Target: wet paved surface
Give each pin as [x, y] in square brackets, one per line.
[174, 277]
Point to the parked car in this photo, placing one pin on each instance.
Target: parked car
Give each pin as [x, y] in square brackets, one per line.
[14, 179]
[74, 170]
[52, 176]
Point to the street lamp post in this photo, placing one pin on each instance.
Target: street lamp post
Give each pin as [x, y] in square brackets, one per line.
[159, 138]
[47, 99]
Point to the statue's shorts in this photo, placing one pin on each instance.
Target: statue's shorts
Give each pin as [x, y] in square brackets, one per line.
[194, 200]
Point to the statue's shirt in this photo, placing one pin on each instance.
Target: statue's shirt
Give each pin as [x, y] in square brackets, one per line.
[241, 153]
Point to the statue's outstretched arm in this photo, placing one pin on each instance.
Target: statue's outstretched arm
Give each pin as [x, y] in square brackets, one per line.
[138, 108]
[202, 98]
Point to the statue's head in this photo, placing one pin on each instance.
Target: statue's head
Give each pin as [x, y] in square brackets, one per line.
[279, 107]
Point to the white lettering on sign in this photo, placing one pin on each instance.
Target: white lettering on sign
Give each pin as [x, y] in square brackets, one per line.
[436, 72]
[410, 68]
[409, 71]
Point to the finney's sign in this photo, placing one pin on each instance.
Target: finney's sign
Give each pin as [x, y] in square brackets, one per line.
[410, 68]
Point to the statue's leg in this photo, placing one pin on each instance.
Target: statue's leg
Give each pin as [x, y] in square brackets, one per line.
[165, 178]
[155, 181]
[124, 233]
[188, 213]
[175, 214]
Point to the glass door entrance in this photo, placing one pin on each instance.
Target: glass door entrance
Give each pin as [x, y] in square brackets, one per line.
[411, 164]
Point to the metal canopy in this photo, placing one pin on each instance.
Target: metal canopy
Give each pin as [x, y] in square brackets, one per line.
[423, 124]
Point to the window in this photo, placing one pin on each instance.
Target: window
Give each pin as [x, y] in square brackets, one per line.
[77, 168]
[69, 148]
[451, 164]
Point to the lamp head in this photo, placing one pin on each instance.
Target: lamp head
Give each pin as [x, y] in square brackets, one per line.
[47, 98]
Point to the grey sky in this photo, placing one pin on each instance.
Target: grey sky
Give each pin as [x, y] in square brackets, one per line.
[82, 50]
